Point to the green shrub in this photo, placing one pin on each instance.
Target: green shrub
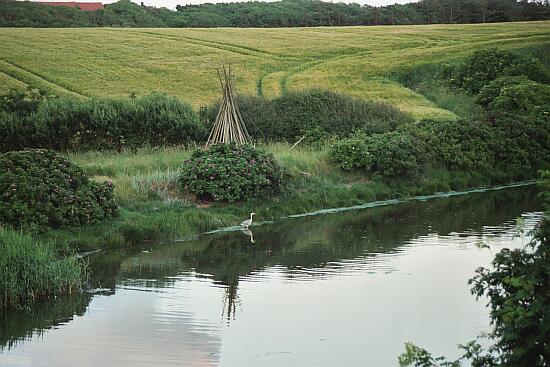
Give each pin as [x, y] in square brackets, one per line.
[389, 155]
[351, 154]
[22, 102]
[487, 65]
[73, 124]
[460, 144]
[516, 95]
[16, 132]
[491, 90]
[30, 269]
[229, 172]
[521, 141]
[41, 189]
[313, 114]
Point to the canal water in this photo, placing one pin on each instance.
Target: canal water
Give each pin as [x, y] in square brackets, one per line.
[343, 289]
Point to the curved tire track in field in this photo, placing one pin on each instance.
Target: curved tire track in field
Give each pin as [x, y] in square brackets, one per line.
[42, 79]
[228, 47]
[439, 49]
[11, 77]
[217, 45]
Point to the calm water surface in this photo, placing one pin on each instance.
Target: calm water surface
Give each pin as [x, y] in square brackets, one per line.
[346, 289]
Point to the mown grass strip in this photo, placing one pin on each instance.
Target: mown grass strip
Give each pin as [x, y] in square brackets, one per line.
[30, 78]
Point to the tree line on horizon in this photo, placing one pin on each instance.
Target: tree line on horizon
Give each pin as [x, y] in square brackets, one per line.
[284, 13]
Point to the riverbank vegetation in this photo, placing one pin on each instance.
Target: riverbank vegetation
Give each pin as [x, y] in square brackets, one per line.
[31, 269]
[350, 152]
[286, 13]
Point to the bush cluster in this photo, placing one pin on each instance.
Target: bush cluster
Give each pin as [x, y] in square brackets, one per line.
[517, 95]
[503, 140]
[485, 66]
[389, 155]
[74, 124]
[39, 189]
[459, 144]
[314, 114]
[230, 172]
[521, 141]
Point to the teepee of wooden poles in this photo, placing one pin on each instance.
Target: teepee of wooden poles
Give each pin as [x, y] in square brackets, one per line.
[229, 125]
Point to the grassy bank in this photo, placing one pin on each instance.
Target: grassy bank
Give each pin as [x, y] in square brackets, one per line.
[153, 208]
[30, 269]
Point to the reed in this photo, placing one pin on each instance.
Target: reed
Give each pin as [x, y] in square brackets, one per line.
[30, 269]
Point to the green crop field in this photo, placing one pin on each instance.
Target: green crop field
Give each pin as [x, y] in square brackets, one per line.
[358, 61]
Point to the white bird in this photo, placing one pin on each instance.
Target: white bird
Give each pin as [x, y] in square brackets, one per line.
[247, 222]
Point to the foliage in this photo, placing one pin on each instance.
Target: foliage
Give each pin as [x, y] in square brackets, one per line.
[519, 298]
[389, 155]
[491, 90]
[42, 189]
[485, 66]
[314, 114]
[21, 102]
[516, 95]
[285, 13]
[521, 141]
[420, 357]
[30, 269]
[229, 172]
[464, 144]
[69, 123]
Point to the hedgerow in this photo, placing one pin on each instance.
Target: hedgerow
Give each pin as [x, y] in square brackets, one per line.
[314, 114]
[41, 189]
[73, 124]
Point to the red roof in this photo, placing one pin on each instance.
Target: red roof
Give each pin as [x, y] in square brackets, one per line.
[72, 4]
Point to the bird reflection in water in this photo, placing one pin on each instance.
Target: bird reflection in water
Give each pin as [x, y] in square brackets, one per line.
[248, 232]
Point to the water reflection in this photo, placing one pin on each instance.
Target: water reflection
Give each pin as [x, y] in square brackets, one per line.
[245, 298]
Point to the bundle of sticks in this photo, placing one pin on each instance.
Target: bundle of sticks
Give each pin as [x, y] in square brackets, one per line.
[229, 125]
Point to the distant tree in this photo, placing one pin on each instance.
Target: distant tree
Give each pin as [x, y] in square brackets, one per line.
[283, 13]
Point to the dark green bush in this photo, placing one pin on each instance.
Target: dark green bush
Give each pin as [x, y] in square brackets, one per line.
[229, 172]
[487, 65]
[74, 124]
[351, 153]
[16, 132]
[42, 189]
[314, 114]
[516, 95]
[521, 141]
[491, 90]
[389, 155]
[21, 102]
[462, 144]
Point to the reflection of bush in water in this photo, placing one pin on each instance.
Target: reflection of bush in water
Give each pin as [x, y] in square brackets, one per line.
[17, 325]
[315, 241]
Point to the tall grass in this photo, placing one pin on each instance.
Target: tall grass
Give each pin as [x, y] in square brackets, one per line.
[30, 269]
[428, 80]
